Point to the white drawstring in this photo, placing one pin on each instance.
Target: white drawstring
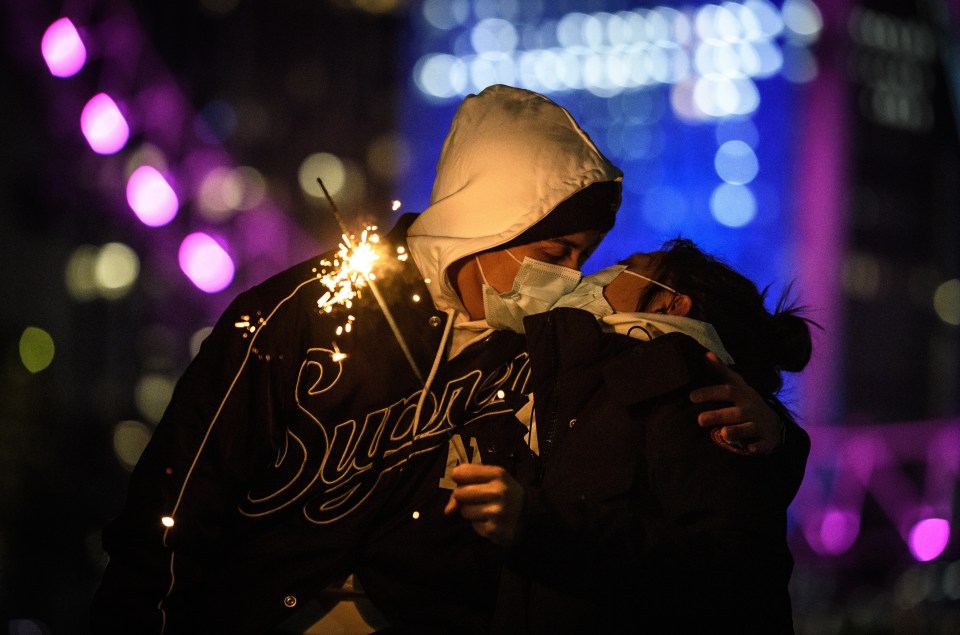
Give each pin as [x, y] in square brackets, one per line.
[451, 314]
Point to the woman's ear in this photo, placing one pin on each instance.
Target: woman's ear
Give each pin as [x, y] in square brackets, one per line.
[681, 305]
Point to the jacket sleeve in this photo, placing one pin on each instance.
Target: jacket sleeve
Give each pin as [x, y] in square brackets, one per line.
[714, 549]
[638, 491]
[722, 532]
[792, 454]
[193, 471]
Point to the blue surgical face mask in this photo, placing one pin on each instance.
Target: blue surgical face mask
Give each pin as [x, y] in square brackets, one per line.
[537, 286]
[588, 295]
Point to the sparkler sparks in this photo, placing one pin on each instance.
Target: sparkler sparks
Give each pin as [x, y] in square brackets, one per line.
[352, 270]
[247, 324]
[344, 276]
[349, 272]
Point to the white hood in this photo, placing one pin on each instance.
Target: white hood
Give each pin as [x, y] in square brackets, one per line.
[510, 158]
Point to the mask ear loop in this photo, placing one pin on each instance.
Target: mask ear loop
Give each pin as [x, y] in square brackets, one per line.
[676, 294]
[480, 267]
[652, 281]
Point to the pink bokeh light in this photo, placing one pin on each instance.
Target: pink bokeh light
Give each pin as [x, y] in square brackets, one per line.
[838, 531]
[206, 263]
[150, 197]
[62, 49]
[103, 125]
[928, 538]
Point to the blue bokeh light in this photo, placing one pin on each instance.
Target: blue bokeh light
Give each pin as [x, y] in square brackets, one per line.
[691, 102]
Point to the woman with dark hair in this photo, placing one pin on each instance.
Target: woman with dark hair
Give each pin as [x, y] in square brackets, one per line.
[638, 514]
[765, 343]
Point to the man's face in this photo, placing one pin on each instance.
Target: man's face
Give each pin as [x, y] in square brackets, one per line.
[499, 268]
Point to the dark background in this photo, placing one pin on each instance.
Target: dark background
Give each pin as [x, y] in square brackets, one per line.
[332, 76]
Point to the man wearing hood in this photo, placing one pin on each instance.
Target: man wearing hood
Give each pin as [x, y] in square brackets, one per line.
[295, 454]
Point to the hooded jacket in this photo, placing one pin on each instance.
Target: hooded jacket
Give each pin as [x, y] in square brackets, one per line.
[512, 156]
[294, 453]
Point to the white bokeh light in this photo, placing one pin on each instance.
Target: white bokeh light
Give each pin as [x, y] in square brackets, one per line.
[721, 46]
[116, 270]
[325, 166]
[946, 301]
[736, 162]
[445, 14]
[494, 36]
[441, 76]
[803, 20]
[766, 16]
[733, 205]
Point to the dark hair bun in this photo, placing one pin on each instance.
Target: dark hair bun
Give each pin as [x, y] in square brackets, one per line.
[791, 342]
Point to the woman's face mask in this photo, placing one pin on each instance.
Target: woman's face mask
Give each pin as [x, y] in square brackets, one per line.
[588, 295]
[537, 286]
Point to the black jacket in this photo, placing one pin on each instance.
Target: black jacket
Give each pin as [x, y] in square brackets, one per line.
[285, 468]
[638, 521]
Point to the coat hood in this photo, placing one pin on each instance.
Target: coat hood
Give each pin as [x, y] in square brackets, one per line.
[510, 158]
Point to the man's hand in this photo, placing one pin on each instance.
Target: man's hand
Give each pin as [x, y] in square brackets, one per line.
[488, 497]
[749, 424]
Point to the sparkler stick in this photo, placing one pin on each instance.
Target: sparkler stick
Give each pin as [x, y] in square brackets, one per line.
[373, 287]
[336, 213]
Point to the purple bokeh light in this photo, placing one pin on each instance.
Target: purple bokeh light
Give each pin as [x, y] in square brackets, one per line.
[838, 531]
[206, 263]
[103, 125]
[150, 197]
[62, 49]
[928, 538]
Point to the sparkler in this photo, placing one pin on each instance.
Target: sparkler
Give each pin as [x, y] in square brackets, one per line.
[352, 270]
[348, 273]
